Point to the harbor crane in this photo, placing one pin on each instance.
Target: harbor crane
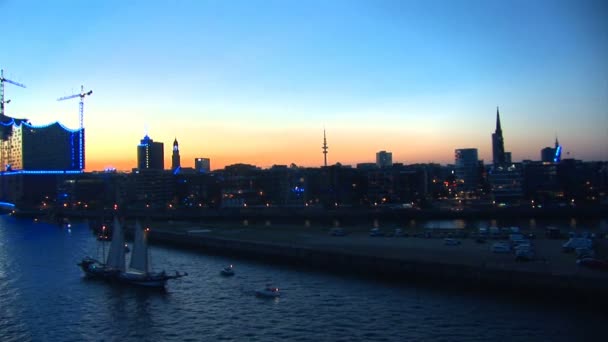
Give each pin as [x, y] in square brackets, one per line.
[2, 80]
[82, 96]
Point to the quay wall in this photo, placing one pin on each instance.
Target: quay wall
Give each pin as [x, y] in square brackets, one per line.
[558, 287]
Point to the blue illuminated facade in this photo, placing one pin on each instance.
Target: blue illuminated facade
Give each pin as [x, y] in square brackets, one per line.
[34, 159]
[52, 147]
[558, 153]
[150, 154]
[554, 154]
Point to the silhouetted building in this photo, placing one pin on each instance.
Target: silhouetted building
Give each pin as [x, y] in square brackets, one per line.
[506, 182]
[551, 155]
[466, 169]
[546, 154]
[541, 182]
[366, 166]
[384, 159]
[175, 160]
[153, 187]
[150, 155]
[498, 145]
[202, 165]
[240, 186]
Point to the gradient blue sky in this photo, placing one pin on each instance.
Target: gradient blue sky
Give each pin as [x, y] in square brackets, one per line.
[257, 81]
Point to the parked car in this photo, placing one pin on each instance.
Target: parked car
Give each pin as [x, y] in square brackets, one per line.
[398, 232]
[584, 252]
[451, 242]
[524, 254]
[575, 243]
[376, 232]
[337, 232]
[501, 247]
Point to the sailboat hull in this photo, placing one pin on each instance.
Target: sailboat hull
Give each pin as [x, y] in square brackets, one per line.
[95, 270]
[144, 279]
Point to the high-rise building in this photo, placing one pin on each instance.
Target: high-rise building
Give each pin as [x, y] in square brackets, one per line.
[384, 159]
[202, 165]
[551, 155]
[175, 163]
[557, 157]
[467, 168]
[498, 145]
[150, 154]
[546, 154]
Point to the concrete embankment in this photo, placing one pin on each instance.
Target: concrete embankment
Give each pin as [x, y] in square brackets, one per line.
[522, 283]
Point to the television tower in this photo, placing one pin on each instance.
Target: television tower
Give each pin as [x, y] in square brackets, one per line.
[324, 148]
[2, 80]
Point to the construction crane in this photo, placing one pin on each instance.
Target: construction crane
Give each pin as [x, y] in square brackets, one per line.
[2, 80]
[82, 96]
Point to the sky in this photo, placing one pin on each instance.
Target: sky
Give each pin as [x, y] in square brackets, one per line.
[257, 82]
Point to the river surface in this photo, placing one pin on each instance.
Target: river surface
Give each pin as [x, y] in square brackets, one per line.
[44, 297]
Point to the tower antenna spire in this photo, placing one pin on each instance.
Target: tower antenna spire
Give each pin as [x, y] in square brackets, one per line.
[324, 148]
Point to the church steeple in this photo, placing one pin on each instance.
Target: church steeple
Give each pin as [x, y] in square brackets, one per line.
[498, 128]
[498, 145]
[175, 159]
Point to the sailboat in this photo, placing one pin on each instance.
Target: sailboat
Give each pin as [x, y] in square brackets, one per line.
[139, 272]
[115, 262]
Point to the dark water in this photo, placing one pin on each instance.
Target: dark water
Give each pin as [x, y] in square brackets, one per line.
[43, 297]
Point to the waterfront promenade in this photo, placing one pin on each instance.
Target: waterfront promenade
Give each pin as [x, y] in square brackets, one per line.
[397, 257]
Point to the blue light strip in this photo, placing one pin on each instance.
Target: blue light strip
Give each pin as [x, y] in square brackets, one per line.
[81, 148]
[558, 154]
[72, 146]
[12, 122]
[51, 124]
[40, 172]
[6, 204]
[8, 123]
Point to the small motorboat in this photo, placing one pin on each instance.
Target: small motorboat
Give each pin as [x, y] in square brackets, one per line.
[269, 291]
[227, 271]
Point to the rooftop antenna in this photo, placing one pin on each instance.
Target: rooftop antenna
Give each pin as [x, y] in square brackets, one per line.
[2, 80]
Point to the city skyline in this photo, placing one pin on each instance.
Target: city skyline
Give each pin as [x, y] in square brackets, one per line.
[419, 80]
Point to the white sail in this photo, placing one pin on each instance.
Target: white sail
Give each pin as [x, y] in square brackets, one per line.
[116, 255]
[139, 256]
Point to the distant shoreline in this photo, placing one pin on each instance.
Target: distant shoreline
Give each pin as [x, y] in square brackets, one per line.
[328, 216]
